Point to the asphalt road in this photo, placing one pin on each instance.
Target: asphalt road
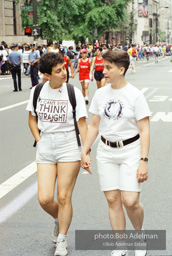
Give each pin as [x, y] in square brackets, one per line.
[25, 229]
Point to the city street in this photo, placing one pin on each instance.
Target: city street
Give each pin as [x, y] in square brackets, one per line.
[25, 229]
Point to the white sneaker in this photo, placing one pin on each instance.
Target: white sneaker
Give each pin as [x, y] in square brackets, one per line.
[61, 248]
[119, 253]
[140, 253]
[55, 232]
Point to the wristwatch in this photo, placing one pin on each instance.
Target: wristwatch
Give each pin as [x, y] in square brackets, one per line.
[144, 159]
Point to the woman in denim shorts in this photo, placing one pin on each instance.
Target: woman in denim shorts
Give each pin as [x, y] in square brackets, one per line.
[58, 154]
[120, 114]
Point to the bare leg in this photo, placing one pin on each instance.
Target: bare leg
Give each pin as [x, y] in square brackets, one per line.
[86, 89]
[83, 89]
[134, 208]
[98, 84]
[47, 174]
[116, 212]
[103, 82]
[67, 174]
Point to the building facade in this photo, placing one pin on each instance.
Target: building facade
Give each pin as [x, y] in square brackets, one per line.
[10, 22]
[152, 21]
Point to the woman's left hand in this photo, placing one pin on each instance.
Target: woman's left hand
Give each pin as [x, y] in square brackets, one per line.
[86, 162]
[142, 172]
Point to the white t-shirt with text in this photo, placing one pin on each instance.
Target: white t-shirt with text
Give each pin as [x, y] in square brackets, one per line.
[54, 109]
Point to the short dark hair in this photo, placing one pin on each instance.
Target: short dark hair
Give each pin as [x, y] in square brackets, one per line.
[48, 61]
[99, 48]
[119, 57]
[49, 43]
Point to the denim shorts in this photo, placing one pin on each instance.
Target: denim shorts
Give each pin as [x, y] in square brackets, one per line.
[117, 167]
[58, 147]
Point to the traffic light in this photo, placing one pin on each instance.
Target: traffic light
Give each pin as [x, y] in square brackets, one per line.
[37, 31]
[28, 32]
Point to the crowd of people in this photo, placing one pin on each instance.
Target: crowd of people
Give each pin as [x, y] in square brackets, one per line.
[17, 59]
[73, 52]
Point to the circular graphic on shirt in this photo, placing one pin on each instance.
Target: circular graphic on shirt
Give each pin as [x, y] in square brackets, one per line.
[113, 109]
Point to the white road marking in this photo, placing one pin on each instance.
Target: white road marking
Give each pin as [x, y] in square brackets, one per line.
[9, 210]
[143, 90]
[14, 105]
[148, 64]
[151, 93]
[162, 116]
[17, 179]
[170, 70]
[4, 78]
[154, 62]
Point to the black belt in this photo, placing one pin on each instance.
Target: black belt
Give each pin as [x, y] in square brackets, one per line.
[120, 144]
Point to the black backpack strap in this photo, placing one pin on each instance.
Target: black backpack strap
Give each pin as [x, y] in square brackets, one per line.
[35, 100]
[72, 99]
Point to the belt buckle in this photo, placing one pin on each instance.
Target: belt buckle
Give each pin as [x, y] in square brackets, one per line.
[119, 144]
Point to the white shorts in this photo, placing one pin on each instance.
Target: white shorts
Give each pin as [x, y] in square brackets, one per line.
[58, 147]
[86, 80]
[132, 60]
[117, 167]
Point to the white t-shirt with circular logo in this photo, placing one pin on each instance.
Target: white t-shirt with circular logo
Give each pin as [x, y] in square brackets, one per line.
[119, 111]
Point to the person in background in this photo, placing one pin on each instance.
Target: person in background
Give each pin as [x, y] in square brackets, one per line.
[133, 56]
[156, 53]
[67, 63]
[56, 48]
[50, 46]
[33, 62]
[105, 48]
[98, 63]
[84, 65]
[4, 67]
[15, 60]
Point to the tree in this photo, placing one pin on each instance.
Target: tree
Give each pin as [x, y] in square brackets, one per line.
[55, 17]
[77, 19]
[161, 35]
[26, 21]
[103, 16]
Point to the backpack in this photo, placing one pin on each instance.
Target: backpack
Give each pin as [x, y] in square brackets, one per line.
[134, 54]
[70, 54]
[72, 99]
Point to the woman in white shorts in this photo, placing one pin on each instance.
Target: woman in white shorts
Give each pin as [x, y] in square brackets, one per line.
[121, 115]
[58, 154]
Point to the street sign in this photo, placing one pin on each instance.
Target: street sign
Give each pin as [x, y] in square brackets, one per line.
[27, 8]
[30, 13]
